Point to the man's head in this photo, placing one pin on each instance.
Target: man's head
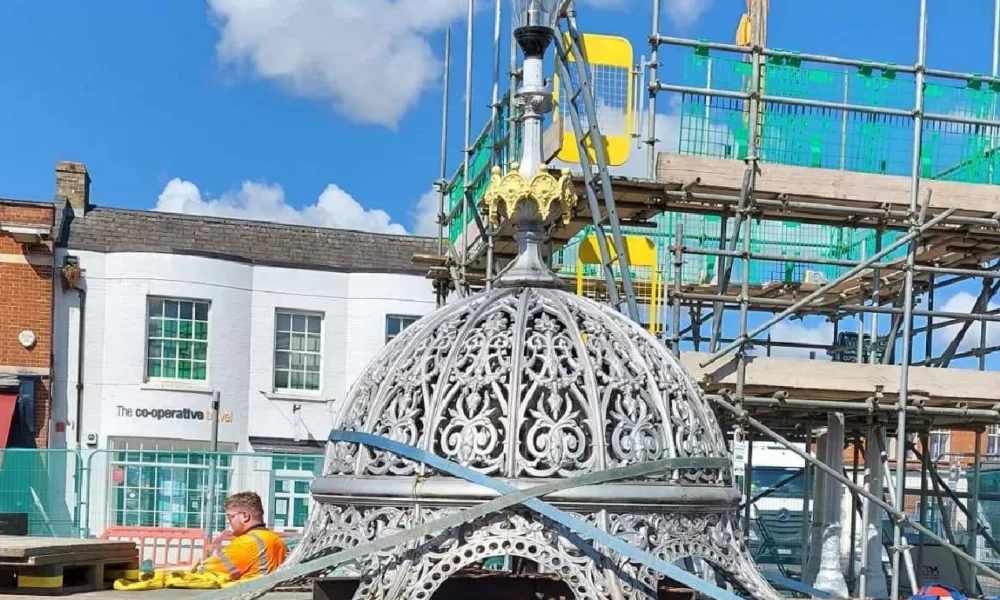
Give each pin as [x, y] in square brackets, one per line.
[243, 511]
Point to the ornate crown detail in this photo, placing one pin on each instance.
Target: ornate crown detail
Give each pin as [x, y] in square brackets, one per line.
[512, 189]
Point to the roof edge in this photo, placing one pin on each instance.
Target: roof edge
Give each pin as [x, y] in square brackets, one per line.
[32, 203]
[238, 221]
[145, 249]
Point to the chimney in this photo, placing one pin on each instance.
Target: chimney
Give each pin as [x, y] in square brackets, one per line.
[73, 185]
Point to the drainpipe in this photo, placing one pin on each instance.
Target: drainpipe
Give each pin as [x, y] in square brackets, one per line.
[81, 313]
[81, 476]
[73, 283]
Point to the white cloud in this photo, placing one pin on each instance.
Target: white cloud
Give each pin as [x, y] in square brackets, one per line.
[265, 202]
[800, 332]
[425, 214]
[963, 302]
[685, 13]
[371, 58]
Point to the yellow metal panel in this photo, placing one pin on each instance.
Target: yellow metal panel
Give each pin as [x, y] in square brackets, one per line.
[645, 275]
[610, 59]
[655, 303]
[641, 251]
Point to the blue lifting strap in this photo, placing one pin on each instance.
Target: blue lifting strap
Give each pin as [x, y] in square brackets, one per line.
[512, 496]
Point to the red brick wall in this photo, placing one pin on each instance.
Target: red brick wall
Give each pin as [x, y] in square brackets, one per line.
[26, 279]
[962, 442]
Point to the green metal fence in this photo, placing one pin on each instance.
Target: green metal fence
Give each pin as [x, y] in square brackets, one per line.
[791, 239]
[83, 494]
[169, 488]
[90, 493]
[45, 486]
[818, 138]
[792, 135]
[832, 138]
[781, 513]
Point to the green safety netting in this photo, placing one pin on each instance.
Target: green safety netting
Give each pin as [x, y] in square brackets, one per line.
[799, 136]
[795, 240]
[819, 138]
[491, 147]
[832, 138]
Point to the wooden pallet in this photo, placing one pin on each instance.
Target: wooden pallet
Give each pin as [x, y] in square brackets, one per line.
[52, 566]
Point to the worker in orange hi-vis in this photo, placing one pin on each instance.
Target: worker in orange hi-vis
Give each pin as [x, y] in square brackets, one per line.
[255, 550]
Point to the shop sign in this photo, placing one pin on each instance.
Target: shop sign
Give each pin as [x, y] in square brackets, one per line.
[179, 414]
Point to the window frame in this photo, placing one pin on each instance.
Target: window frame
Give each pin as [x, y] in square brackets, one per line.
[992, 440]
[936, 438]
[413, 319]
[290, 391]
[283, 473]
[196, 383]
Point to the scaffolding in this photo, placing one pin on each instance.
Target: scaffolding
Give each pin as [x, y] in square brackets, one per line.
[811, 187]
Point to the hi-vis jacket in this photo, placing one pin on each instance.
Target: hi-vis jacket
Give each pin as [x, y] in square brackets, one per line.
[257, 552]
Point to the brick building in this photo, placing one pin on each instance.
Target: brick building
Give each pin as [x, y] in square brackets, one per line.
[946, 447]
[26, 295]
[949, 449]
[30, 284]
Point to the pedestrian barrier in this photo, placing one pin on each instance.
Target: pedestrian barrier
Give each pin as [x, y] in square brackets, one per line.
[164, 546]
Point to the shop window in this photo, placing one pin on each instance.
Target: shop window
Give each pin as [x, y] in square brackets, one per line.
[298, 352]
[176, 339]
[152, 488]
[290, 499]
[395, 324]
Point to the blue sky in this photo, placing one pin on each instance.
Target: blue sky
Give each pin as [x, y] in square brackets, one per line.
[328, 111]
[294, 94]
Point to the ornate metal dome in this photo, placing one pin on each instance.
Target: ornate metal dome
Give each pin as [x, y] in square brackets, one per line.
[529, 382]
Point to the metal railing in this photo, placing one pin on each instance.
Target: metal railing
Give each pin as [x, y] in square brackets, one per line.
[70, 493]
[94, 493]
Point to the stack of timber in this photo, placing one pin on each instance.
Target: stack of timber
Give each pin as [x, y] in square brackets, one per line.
[53, 566]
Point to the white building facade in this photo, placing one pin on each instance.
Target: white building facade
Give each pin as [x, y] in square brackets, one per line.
[170, 309]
